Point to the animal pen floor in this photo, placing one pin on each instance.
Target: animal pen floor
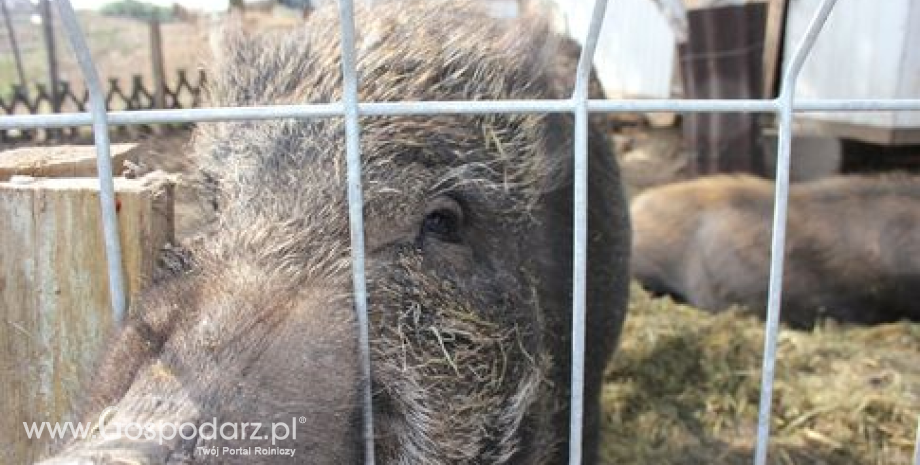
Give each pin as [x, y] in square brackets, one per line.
[683, 389]
[684, 386]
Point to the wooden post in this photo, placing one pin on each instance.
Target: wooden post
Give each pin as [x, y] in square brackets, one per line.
[159, 74]
[722, 59]
[53, 76]
[773, 46]
[64, 161]
[54, 301]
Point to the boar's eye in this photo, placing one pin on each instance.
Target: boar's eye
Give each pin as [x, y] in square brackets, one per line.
[443, 221]
[442, 224]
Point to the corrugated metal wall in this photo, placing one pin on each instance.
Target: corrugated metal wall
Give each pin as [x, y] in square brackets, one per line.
[636, 49]
[869, 49]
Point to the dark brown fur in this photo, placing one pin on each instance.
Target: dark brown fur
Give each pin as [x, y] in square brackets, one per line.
[470, 334]
[852, 246]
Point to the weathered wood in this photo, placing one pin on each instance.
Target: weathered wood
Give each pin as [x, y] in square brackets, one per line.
[54, 300]
[722, 59]
[64, 161]
[54, 77]
[157, 64]
[159, 73]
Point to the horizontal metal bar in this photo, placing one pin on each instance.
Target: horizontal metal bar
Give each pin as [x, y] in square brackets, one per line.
[813, 105]
[749, 105]
[328, 110]
[683, 106]
[467, 107]
[174, 116]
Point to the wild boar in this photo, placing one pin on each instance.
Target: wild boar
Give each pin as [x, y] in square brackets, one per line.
[852, 246]
[469, 261]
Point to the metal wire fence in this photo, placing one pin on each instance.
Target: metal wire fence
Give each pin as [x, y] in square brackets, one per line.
[784, 107]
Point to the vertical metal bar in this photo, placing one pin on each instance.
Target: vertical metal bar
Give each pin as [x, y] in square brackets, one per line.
[103, 159]
[355, 214]
[778, 246]
[917, 444]
[580, 232]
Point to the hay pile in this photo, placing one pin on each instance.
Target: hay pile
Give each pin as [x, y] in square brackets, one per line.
[684, 385]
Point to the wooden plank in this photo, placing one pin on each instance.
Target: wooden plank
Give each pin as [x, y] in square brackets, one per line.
[63, 161]
[54, 299]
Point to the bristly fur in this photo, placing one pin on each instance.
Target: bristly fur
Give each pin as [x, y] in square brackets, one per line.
[271, 175]
[852, 246]
[470, 335]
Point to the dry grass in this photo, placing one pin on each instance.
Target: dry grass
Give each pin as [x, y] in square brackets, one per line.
[684, 386]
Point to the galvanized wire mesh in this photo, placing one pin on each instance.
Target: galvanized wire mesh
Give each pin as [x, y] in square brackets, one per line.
[784, 107]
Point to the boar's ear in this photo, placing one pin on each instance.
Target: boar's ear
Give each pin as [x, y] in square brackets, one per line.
[233, 53]
[558, 149]
[225, 37]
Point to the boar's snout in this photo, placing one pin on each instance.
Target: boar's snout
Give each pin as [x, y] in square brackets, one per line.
[252, 367]
[120, 452]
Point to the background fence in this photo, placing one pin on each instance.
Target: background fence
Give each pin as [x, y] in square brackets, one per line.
[184, 92]
[350, 108]
[37, 78]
